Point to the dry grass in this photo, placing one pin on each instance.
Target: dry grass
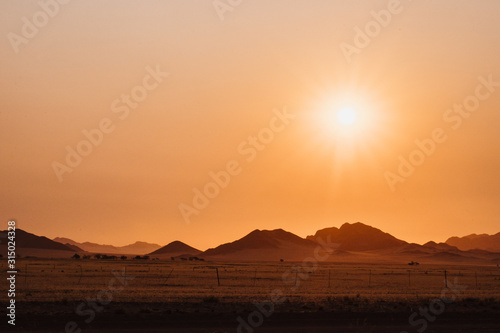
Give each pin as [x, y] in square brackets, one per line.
[74, 280]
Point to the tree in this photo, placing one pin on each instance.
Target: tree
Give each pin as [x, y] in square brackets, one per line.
[123, 257]
[76, 256]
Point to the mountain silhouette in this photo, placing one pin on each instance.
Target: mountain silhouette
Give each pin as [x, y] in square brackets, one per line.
[481, 242]
[356, 242]
[74, 247]
[136, 248]
[26, 240]
[264, 245]
[441, 246]
[358, 237]
[177, 248]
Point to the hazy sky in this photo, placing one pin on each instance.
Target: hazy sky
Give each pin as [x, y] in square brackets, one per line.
[227, 72]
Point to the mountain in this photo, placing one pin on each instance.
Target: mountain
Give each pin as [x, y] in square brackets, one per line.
[264, 245]
[139, 248]
[26, 240]
[358, 237]
[136, 248]
[441, 246]
[481, 242]
[74, 247]
[356, 242]
[176, 248]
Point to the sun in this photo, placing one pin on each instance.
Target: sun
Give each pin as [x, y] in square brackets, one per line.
[348, 119]
[347, 128]
[346, 116]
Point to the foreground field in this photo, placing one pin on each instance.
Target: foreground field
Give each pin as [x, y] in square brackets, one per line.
[211, 296]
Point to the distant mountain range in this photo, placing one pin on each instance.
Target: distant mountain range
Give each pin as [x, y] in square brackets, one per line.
[356, 242]
[481, 242]
[136, 248]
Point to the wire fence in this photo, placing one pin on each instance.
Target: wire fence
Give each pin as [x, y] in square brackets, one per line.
[53, 280]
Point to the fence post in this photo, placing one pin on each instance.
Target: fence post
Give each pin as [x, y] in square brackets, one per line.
[81, 275]
[168, 276]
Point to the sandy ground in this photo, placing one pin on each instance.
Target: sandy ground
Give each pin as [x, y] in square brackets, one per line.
[185, 297]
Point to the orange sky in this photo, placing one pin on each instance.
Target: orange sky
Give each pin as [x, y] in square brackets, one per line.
[225, 79]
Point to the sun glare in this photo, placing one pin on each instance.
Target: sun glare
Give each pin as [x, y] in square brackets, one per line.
[349, 121]
[346, 116]
[347, 128]
[344, 119]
